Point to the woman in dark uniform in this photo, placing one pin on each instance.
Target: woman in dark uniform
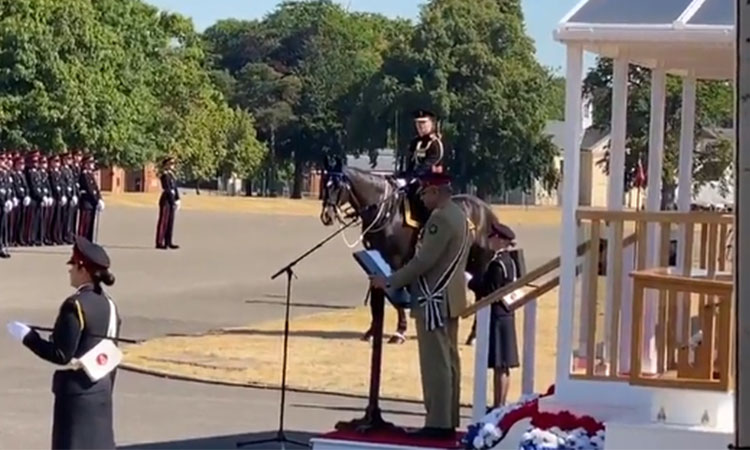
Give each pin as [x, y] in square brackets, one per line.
[501, 271]
[83, 408]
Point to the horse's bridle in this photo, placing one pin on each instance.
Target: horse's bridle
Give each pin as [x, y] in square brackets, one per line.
[343, 186]
[355, 209]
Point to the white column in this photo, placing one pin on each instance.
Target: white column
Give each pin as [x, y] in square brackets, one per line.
[616, 185]
[685, 173]
[481, 352]
[529, 348]
[653, 203]
[572, 159]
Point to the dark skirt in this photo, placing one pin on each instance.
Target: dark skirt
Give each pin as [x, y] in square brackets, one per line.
[503, 351]
[83, 421]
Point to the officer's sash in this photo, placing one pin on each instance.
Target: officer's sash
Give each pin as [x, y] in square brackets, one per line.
[431, 299]
[105, 356]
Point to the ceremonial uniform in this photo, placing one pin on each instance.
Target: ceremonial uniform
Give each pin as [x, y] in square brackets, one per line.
[502, 270]
[82, 416]
[35, 181]
[89, 202]
[75, 167]
[6, 205]
[47, 205]
[21, 211]
[436, 278]
[425, 156]
[70, 184]
[60, 199]
[169, 203]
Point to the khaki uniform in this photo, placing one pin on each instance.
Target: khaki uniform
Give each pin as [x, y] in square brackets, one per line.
[439, 262]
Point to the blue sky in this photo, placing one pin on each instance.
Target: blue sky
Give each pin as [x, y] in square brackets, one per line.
[542, 16]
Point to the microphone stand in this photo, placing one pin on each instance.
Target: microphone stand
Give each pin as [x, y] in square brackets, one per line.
[288, 270]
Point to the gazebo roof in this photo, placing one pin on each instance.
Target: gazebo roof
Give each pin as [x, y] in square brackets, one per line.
[682, 35]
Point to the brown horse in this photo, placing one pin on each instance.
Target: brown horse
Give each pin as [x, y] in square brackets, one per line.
[382, 206]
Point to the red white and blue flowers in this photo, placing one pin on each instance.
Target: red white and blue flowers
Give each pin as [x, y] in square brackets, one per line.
[561, 430]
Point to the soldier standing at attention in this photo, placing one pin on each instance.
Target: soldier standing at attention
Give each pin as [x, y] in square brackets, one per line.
[503, 348]
[169, 203]
[60, 199]
[436, 277]
[48, 203]
[6, 204]
[90, 200]
[22, 211]
[82, 415]
[76, 166]
[71, 193]
[36, 190]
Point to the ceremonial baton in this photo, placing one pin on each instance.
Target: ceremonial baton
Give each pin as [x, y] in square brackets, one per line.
[128, 341]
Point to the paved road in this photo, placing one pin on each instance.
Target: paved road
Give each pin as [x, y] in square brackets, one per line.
[220, 277]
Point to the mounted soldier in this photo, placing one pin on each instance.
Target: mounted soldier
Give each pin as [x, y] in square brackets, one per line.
[425, 156]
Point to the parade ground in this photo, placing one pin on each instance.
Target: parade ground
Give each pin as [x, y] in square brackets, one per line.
[218, 279]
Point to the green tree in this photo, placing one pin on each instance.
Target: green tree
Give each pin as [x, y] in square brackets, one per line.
[474, 65]
[299, 72]
[713, 111]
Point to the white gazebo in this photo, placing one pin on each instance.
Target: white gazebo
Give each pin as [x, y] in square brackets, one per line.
[658, 368]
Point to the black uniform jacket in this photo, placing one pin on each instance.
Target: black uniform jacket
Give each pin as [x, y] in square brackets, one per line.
[89, 192]
[425, 155]
[500, 272]
[169, 187]
[83, 314]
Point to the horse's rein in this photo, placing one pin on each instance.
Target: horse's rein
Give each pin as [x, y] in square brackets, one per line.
[358, 211]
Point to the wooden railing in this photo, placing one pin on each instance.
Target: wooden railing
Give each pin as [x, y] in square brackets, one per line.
[532, 286]
[611, 356]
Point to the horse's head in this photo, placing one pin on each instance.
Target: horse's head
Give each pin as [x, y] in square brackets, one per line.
[336, 192]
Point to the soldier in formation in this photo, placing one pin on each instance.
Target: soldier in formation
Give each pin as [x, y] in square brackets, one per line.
[47, 200]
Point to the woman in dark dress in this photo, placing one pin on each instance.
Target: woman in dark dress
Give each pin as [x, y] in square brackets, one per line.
[83, 408]
[503, 350]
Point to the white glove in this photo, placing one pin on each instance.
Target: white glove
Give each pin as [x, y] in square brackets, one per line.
[15, 202]
[74, 201]
[177, 205]
[45, 201]
[8, 206]
[26, 201]
[64, 200]
[18, 330]
[100, 205]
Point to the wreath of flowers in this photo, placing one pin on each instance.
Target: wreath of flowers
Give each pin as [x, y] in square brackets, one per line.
[563, 430]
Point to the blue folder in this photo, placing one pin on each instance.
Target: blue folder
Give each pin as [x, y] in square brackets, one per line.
[372, 263]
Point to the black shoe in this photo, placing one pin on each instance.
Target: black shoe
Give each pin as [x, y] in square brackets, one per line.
[173, 246]
[433, 433]
[4, 255]
[161, 247]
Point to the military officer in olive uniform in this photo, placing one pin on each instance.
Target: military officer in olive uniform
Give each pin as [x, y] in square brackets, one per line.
[436, 279]
[83, 408]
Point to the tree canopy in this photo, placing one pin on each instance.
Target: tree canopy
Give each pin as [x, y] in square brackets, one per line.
[265, 98]
[116, 77]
